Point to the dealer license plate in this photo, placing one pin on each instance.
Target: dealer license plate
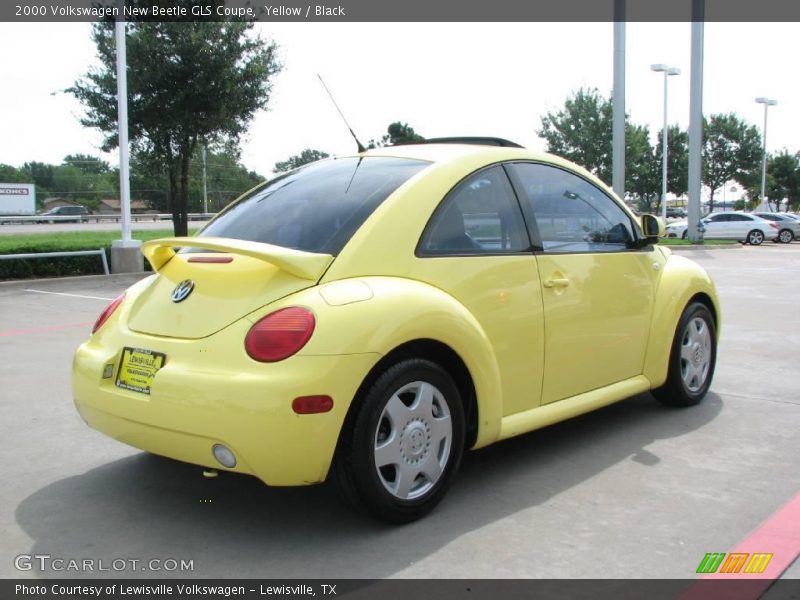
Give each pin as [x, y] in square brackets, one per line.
[137, 368]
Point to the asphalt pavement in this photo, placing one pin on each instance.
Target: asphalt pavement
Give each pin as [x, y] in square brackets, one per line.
[635, 490]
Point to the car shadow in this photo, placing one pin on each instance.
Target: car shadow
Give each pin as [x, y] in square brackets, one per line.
[147, 507]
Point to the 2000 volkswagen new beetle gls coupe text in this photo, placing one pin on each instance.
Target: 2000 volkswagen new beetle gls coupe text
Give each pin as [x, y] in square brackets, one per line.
[369, 318]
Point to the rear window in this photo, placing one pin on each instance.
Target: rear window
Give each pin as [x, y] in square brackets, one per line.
[316, 208]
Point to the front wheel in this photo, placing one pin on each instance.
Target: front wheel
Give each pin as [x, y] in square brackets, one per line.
[785, 236]
[692, 358]
[755, 237]
[399, 453]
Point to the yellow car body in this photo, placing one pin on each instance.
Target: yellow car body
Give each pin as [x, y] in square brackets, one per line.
[524, 348]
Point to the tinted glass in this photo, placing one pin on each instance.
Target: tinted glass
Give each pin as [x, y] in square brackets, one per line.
[573, 215]
[480, 215]
[316, 208]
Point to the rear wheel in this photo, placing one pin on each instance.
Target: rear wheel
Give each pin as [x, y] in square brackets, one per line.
[399, 453]
[692, 358]
[755, 237]
[785, 236]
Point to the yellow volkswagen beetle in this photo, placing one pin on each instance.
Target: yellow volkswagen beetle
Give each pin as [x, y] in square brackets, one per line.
[371, 317]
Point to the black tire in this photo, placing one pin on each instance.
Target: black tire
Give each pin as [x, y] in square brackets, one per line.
[676, 391]
[366, 486]
[785, 236]
[683, 237]
[755, 237]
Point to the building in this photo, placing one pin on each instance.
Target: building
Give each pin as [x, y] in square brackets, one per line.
[55, 202]
[111, 206]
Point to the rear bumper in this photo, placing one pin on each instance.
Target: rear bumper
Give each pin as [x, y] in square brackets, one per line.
[244, 405]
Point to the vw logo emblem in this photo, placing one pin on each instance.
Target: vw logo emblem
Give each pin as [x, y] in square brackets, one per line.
[180, 293]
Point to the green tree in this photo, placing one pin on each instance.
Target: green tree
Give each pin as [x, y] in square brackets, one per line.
[642, 175]
[582, 131]
[226, 179]
[397, 133]
[40, 173]
[87, 163]
[731, 151]
[298, 160]
[9, 174]
[677, 159]
[189, 83]
[784, 178]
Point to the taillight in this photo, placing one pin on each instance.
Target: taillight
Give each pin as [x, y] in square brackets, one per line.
[773, 225]
[280, 334]
[108, 312]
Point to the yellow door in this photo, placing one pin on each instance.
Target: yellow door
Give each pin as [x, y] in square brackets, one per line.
[476, 249]
[597, 314]
[597, 286]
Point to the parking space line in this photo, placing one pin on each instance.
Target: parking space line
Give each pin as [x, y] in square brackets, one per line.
[69, 295]
[46, 329]
[778, 537]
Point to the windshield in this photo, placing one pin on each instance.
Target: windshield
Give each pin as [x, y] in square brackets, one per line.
[316, 208]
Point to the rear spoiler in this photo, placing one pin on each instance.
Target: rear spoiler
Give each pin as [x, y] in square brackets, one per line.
[305, 265]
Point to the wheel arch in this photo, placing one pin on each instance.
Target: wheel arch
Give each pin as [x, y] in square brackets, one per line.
[437, 352]
[682, 282]
[400, 318]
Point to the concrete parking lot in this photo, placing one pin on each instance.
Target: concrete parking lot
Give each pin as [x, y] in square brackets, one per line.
[635, 490]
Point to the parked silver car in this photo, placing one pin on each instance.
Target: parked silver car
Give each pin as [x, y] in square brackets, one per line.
[788, 227]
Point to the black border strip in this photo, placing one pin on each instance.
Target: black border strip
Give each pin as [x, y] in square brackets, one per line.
[496, 11]
[400, 589]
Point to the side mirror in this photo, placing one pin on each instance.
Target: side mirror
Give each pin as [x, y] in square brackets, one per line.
[653, 228]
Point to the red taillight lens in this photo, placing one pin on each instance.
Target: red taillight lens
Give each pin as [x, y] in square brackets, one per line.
[312, 405]
[280, 334]
[771, 224]
[108, 312]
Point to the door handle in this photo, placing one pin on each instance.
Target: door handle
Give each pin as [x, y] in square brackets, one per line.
[556, 283]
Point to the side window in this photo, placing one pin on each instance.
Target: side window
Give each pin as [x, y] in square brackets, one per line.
[573, 215]
[480, 215]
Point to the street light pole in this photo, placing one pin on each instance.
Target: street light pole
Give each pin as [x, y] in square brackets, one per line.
[125, 254]
[664, 141]
[767, 102]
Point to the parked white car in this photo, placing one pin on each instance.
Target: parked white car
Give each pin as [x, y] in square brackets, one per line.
[743, 227]
[788, 226]
[677, 229]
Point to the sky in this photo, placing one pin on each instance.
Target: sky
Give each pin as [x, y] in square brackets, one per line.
[444, 79]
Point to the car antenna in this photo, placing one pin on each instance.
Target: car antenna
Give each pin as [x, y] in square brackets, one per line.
[359, 144]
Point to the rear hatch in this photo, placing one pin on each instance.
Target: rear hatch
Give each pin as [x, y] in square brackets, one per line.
[274, 241]
[248, 276]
